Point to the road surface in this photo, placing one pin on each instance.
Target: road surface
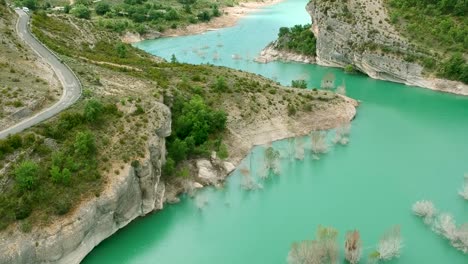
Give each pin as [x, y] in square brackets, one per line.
[71, 84]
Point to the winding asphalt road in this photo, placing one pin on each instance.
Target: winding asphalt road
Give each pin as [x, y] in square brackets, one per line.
[71, 84]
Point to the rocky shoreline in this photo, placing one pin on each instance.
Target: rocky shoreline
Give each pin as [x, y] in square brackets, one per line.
[370, 44]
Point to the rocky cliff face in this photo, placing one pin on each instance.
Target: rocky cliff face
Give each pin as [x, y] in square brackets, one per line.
[135, 192]
[357, 32]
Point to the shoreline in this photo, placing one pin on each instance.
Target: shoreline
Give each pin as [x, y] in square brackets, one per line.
[230, 17]
[270, 54]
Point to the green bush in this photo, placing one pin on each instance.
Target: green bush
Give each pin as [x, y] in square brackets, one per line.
[302, 84]
[298, 39]
[102, 8]
[349, 69]
[27, 175]
[93, 109]
[81, 11]
[84, 143]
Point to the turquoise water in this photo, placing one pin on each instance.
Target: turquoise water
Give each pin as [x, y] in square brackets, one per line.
[406, 144]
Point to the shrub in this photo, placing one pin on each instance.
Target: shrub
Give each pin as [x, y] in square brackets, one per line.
[84, 143]
[220, 85]
[299, 84]
[23, 209]
[168, 167]
[349, 68]
[92, 110]
[26, 175]
[204, 16]
[102, 8]
[81, 11]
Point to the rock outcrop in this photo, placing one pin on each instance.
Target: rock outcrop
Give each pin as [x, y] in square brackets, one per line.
[135, 192]
[357, 32]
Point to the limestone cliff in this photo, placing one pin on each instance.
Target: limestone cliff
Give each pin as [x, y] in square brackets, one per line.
[357, 32]
[135, 192]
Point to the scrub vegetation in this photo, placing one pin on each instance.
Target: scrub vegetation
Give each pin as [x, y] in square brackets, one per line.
[440, 27]
[298, 39]
[141, 16]
[325, 247]
[444, 223]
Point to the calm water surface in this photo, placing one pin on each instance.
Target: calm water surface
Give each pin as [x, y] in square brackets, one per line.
[406, 144]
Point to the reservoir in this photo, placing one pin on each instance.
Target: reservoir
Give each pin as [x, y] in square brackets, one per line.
[406, 144]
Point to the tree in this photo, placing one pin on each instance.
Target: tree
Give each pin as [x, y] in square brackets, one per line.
[60, 176]
[31, 4]
[324, 249]
[464, 191]
[424, 209]
[220, 85]
[172, 15]
[102, 8]
[121, 50]
[299, 84]
[319, 142]
[353, 247]
[204, 16]
[216, 12]
[26, 175]
[178, 150]
[271, 161]
[81, 11]
[390, 244]
[168, 167]
[84, 143]
[174, 59]
[92, 110]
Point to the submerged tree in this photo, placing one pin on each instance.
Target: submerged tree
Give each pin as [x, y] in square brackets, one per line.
[464, 191]
[425, 209]
[443, 224]
[458, 237]
[201, 201]
[353, 247]
[299, 149]
[390, 244]
[247, 182]
[319, 143]
[341, 89]
[342, 133]
[328, 81]
[271, 162]
[322, 250]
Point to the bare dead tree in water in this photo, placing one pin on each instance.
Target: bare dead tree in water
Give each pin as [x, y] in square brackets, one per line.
[271, 164]
[342, 133]
[247, 181]
[324, 249]
[319, 143]
[299, 149]
[353, 247]
[390, 245]
[464, 191]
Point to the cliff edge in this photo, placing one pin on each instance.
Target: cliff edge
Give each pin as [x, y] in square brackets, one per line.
[357, 33]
